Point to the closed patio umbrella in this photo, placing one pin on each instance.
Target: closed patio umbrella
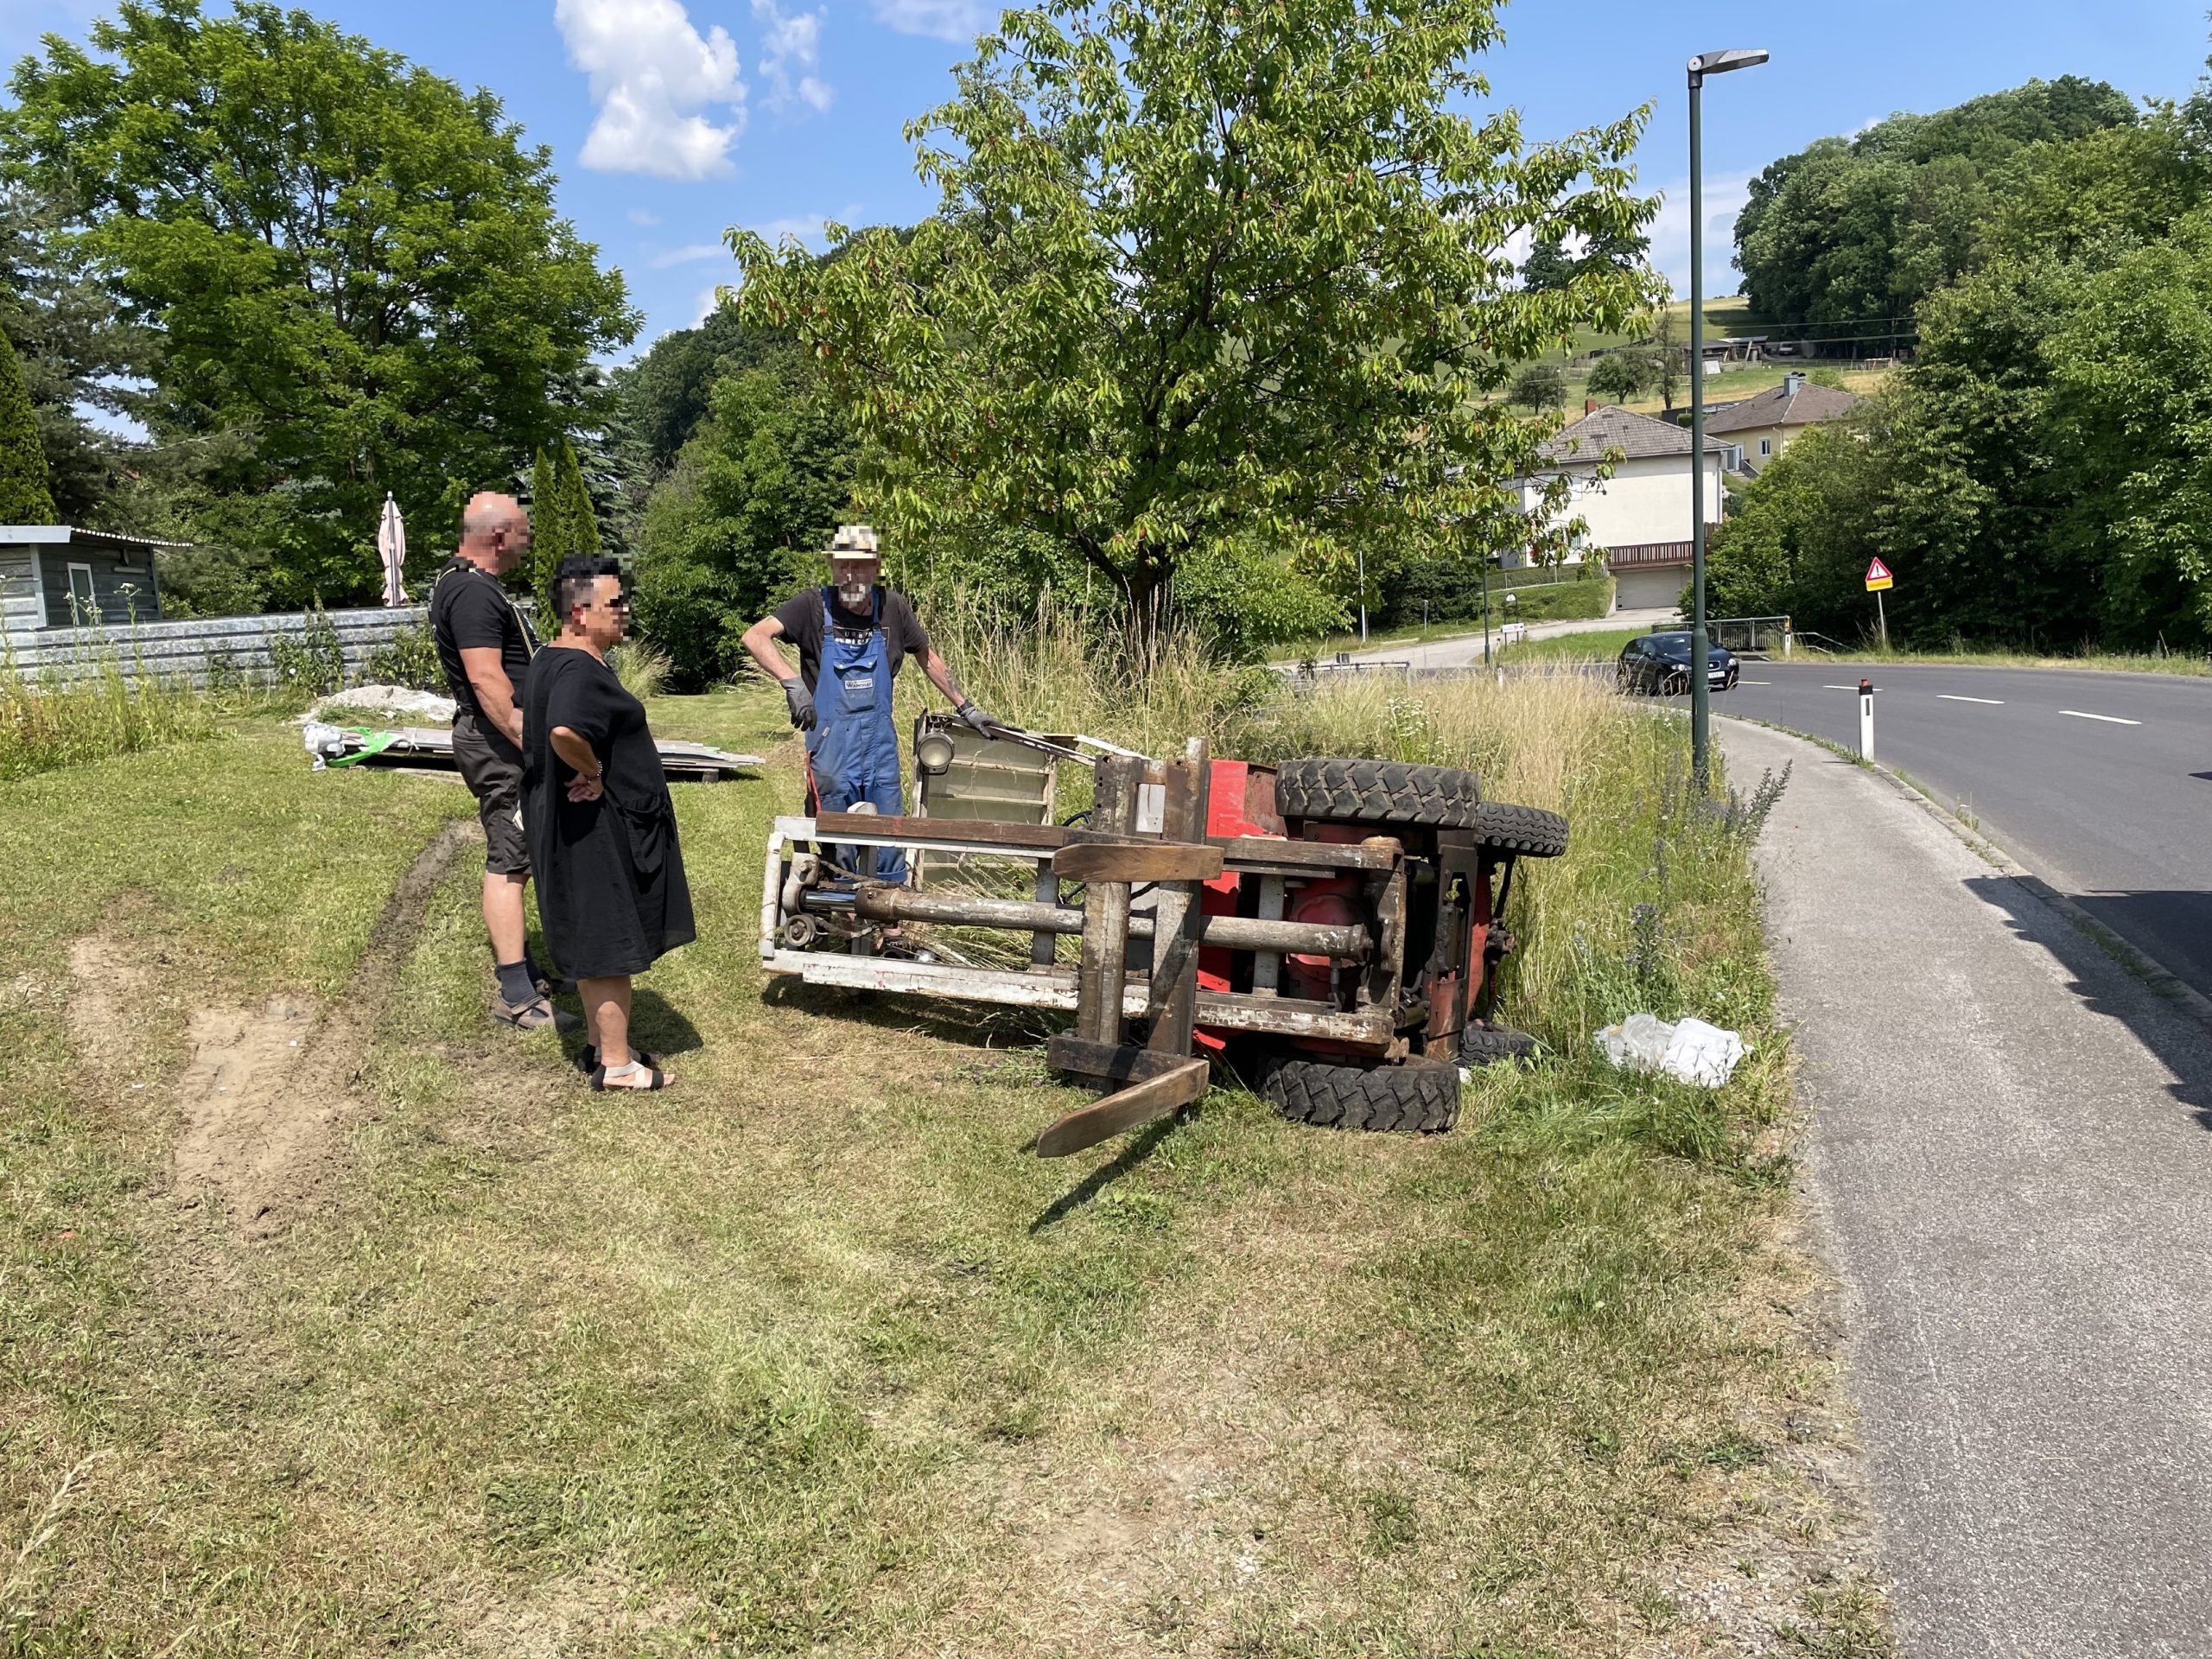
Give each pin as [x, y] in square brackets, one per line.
[391, 546]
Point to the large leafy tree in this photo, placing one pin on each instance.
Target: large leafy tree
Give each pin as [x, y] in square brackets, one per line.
[1853, 230]
[348, 258]
[2131, 400]
[1206, 270]
[752, 499]
[670, 390]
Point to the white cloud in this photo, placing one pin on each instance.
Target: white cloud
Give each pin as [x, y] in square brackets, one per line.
[1725, 197]
[809, 228]
[945, 20]
[651, 73]
[688, 254]
[641, 216]
[708, 302]
[790, 45]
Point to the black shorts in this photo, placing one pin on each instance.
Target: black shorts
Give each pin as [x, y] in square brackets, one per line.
[492, 767]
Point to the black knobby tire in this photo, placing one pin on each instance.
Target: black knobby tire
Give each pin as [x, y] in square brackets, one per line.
[1530, 831]
[1376, 791]
[1484, 1045]
[1419, 1095]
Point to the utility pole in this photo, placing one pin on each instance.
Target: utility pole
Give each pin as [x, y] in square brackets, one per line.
[1363, 593]
[1706, 63]
[1485, 610]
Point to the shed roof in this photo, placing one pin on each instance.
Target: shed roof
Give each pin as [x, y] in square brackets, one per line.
[67, 535]
[1779, 406]
[1611, 427]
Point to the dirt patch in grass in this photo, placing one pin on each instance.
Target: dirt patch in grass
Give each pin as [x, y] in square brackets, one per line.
[110, 985]
[259, 1102]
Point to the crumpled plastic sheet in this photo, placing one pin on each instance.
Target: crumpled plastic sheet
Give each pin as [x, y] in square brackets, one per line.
[1688, 1049]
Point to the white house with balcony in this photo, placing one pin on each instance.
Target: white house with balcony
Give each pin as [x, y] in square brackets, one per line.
[1637, 518]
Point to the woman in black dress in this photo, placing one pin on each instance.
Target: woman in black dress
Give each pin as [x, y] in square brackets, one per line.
[611, 893]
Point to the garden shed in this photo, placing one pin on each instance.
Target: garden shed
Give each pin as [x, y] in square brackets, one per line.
[54, 577]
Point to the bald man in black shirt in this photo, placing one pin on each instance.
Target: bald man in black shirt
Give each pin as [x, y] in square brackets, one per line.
[485, 645]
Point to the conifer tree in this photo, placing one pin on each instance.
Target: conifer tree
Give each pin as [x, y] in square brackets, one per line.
[576, 499]
[546, 523]
[24, 496]
[562, 523]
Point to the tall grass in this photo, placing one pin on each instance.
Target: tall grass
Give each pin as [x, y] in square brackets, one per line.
[48, 721]
[1655, 907]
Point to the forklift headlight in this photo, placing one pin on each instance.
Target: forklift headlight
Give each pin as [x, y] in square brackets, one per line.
[933, 754]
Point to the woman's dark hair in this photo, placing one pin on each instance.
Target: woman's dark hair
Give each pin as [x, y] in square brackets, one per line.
[573, 583]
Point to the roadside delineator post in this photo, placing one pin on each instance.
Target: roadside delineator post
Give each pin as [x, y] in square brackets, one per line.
[1866, 720]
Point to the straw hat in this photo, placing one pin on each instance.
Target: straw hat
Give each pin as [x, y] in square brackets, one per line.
[853, 541]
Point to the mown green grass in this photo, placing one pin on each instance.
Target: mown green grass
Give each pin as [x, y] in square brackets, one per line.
[2110, 662]
[809, 1353]
[1599, 645]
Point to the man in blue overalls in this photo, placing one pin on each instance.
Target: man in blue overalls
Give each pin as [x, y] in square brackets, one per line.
[852, 636]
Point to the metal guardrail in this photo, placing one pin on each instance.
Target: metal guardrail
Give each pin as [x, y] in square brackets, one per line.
[1312, 673]
[1753, 636]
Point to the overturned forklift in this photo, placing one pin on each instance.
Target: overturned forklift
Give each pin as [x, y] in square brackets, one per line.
[1330, 929]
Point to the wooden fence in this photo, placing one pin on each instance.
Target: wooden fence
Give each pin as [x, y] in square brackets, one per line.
[196, 649]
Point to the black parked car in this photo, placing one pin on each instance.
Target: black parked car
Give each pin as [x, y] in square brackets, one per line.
[1661, 663]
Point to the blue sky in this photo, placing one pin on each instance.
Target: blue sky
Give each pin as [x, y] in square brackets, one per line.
[671, 120]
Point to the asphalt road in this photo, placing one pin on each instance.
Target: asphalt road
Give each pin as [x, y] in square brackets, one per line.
[2009, 1152]
[2101, 783]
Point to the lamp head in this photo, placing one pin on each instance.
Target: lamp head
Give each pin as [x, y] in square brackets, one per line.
[1719, 63]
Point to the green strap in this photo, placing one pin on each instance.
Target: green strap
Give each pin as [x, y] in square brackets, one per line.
[377, 744]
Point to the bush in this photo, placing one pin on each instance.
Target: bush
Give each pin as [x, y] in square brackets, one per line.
[410, 658]
[640, 668]
[314, 664]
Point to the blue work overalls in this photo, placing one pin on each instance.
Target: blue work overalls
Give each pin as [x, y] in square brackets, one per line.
[854, 749]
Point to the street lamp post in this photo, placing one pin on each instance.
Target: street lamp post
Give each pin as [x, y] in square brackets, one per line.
[1706, 63]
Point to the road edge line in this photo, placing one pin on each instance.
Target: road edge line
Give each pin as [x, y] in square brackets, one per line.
[2160, 980]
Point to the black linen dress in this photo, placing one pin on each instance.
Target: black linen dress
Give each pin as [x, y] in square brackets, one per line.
[611, 891]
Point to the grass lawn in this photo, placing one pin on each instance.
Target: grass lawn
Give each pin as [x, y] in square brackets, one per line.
[2107, 661]
[1600, 645]
[333, 1320]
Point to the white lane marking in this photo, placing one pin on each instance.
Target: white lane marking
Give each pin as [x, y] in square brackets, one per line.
[1995, 703]
[1755, 682]
[1839, 687]
[2113, 720]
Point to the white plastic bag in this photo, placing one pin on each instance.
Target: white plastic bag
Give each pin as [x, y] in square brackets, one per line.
[1639, 1042]
[1688, 1049]
[1702, 1054]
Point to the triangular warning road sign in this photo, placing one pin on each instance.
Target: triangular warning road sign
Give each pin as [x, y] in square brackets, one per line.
[1878, 577]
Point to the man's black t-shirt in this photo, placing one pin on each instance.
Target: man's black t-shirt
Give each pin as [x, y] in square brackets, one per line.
[801, 615]
[468, 608]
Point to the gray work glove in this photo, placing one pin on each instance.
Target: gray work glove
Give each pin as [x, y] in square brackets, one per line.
[802, 702]
[976, 719]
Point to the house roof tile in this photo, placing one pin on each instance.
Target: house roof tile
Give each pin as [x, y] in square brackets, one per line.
[1611, 427]
[1777, 406]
